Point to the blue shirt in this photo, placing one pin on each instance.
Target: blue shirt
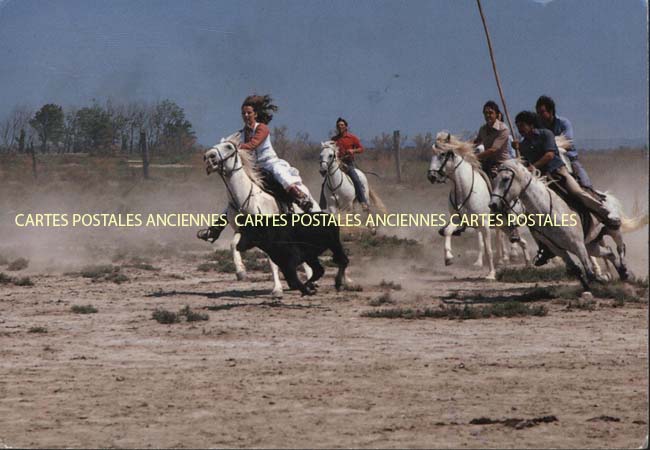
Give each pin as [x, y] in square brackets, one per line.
[533, 148]
[561, 125]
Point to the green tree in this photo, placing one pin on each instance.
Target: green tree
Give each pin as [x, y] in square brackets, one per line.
[95, 128]
[48, 123]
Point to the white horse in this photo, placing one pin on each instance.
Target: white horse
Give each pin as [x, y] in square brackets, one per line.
[338, 187]
[469, 197]
[514, 182]
[246, 196]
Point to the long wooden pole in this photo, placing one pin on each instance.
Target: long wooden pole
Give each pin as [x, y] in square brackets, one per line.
[496, 72]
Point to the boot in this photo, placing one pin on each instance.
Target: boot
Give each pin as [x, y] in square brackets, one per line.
[300, 198]
[210, 234]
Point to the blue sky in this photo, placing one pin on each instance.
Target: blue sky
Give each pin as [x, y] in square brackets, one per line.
[415, 65]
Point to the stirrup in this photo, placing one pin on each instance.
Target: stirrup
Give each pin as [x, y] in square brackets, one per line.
[305, 204]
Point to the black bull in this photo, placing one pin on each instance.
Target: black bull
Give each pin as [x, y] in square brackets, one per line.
[290, 245]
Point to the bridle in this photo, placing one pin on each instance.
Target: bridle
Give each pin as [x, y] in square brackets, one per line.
[328, 176]
[441, 172]
[219, 167]
[510, 205]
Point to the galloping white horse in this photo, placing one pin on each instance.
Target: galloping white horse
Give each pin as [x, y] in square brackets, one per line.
[455, 160]
[515, 182]
[338, 187]
[243, 183]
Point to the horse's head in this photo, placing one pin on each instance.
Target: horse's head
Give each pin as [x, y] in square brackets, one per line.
[327, 156]
[443, 159]
[222, 158]
[511, 180]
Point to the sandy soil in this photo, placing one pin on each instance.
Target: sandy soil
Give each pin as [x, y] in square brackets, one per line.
[306, 372]
[309, 372]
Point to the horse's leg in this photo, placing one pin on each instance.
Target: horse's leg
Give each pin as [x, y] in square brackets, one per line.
[524, 249]
[624, 272]
[481, 249]
[340, 259]
[277, 285]
[446, 232]
[600, 276]
[308, 272]
[291, 276]
[502, 257]
[317, 273]
[487, 240]
[240, 269]
[573, 267]
[585, 260]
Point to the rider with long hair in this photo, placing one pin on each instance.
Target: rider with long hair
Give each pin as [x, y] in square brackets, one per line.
[257, 111]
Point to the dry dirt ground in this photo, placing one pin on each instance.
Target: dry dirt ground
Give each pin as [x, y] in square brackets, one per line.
[310, 371]
[306, 371]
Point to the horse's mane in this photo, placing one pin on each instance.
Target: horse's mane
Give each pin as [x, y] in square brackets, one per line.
[247, 159]
[517, 164]
[446, 141]
[563, 142]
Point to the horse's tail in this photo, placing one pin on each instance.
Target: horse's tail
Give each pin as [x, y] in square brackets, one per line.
[379, 204]
[629, 225]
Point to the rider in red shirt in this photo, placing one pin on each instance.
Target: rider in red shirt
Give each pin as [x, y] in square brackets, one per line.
[349, 145]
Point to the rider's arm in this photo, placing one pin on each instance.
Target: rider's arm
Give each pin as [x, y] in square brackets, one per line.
[356, 146]
[498, 143]
[544, 160]
[261, 133]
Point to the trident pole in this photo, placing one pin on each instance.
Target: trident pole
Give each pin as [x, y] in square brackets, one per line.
[496, 73]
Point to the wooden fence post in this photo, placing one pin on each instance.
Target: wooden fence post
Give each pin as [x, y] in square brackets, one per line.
[33, 152]
[398, 160]
[145, 155]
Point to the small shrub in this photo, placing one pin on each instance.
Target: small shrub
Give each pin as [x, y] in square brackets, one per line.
[383, 299]
[117, 277]
[23, 281]
[142, 266]
[390, 285]
[192, 316]
[98, 271]
[83, 309]
[37, 330]
[18, 264]
[164, 316]
[219, 266]
[532, 274]
[506, 309]
[5, 279]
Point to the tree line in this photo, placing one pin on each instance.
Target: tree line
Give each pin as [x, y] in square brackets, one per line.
[99, 129]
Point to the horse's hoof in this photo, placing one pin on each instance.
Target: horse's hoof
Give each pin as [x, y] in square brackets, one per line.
[241, 276]
[478, 264]
[491, 277]
[276, 294]
[449, 261]
[587, 296]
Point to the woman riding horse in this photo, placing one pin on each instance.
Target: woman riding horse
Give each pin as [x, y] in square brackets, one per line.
[257, 112]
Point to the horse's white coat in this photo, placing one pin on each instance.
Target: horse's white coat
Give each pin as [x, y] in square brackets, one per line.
[245, 195]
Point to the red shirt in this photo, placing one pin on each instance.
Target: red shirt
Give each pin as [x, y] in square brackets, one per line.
[346, 143]
[253, 140]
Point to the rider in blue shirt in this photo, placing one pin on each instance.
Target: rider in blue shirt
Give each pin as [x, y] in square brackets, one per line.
[545, 107]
